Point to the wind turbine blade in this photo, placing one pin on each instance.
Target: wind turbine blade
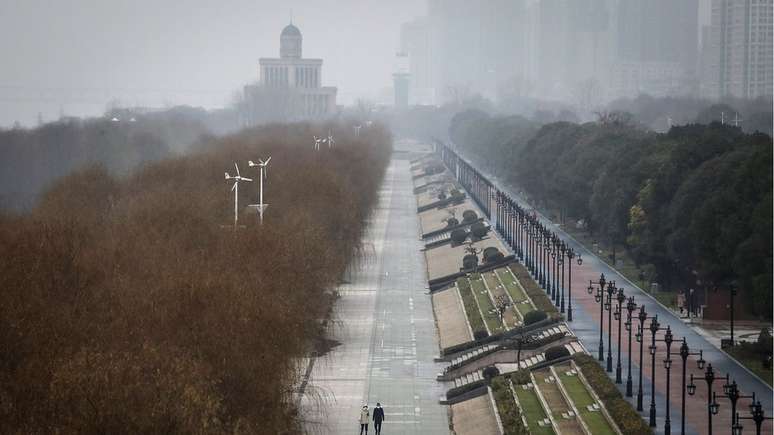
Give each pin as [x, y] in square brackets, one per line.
[237, 168]
[246, 179]
[267, 161]
[227, 176]
[235, 185]
[250, 163]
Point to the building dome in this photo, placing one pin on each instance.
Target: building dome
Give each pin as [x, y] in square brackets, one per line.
[290, 42]
[291, 30]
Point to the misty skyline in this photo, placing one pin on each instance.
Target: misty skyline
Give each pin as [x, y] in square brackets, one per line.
[73, 58]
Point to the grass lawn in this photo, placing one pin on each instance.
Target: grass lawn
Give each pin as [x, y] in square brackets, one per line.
[581, 397]
[487, 309]
[515, 290]
[533, 411]
[533, 290]
[471, 308]
[745, 354]
[492, 282]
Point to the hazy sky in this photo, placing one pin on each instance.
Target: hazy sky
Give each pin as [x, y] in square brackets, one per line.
[74, 55]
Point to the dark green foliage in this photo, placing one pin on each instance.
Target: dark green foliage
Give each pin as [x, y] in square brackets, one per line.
[620, 410]
[458, 236]
[764, 342]
[469, 261]
[698, 197]
[492, 254]
[510, 413]
[479, 230]
[480, 335]
[490, 372]
[471, 309]
[534, 317]
[469, 216]
[556, 352]
[452, 222]
[520, 377]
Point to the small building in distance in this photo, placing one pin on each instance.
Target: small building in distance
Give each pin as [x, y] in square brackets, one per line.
[290, 87]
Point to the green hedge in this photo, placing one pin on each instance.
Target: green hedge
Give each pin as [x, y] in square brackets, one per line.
[510, 413]
[471, 307]
[534, 317]
[624, 415]
[534, 291]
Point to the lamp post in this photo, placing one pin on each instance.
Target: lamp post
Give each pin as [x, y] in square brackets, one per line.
[668, 339]
[756, 414]
[555, 295]
[640, 336]
[599, 297]
[654, 327]
[611, 289]
[570, 255]
[712, 407]
[731, 392]
[620, 298]
[684, 353]
[538, 254]
[630, 307]
[547, 258]
[733, 296]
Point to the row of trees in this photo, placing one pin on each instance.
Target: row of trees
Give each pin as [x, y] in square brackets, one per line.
[127, 307]
[693, 202]
[31, 159]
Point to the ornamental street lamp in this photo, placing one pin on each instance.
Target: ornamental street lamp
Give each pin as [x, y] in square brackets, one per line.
[538, 254]
[570, 255]
[547, 258]
[618, 311]
[684, 354]
[599, 297]
[668, 339]
[712, 407]
[642, 316]
[611, 289]
[757, 415]
[733, 296]
[654, 327]
[731, 392]
[630, 307]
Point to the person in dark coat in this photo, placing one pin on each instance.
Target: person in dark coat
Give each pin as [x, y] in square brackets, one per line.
[378, 418]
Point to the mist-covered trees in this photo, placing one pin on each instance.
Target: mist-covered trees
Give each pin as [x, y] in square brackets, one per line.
[693, 202]
[30, 159]
[128, 308]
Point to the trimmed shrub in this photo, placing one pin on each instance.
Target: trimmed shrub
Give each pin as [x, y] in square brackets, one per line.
[459, 235]
[534, 317]
[469, 216]
[480, 335]
[627, 419]
[470, 261]
[452, 222]
[489, 251]
[493, 258]
[479, 230]
[556, 352]
[490, 372]
[441, 196]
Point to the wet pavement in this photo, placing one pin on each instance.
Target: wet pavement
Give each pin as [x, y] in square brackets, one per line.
[586, 326]
[384, 322]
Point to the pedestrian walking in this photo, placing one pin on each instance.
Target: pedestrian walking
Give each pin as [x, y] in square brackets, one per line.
[378, 418]
[364, 414]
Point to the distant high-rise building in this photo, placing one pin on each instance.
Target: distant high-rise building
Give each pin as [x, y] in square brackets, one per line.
[657, 48]
[415, 43]
[290, 86]
[737, 58]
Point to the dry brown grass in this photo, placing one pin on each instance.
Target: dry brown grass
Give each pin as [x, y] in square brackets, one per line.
[126, 308]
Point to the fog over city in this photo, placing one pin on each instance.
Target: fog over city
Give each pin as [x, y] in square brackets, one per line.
[427, 217]
[78, 55]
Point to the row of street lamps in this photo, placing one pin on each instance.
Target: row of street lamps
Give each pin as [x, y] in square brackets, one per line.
[545, 255]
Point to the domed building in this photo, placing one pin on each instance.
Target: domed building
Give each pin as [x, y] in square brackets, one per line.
[290, 87]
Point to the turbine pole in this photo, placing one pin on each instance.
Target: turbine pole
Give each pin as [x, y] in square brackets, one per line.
[236, 204]
[260, 207]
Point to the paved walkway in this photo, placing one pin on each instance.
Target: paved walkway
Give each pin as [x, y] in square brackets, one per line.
[586, 327]
[384, 321]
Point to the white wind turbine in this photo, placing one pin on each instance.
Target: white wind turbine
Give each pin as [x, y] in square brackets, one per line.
[237, 178]
[329, 140]
[264, 173]
[317, 141]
